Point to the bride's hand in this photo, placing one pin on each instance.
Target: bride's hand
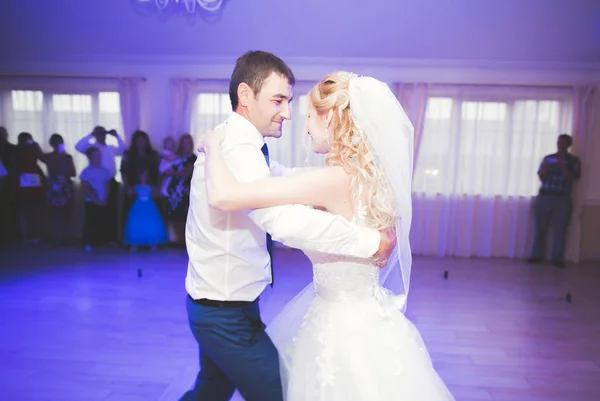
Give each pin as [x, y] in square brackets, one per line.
[210, 138]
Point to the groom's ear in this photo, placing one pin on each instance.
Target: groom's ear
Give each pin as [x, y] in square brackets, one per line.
[244, 94]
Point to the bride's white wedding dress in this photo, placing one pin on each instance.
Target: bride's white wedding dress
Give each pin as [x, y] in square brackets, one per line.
[345, 338]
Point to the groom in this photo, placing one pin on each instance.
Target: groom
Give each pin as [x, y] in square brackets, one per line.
[229, 265]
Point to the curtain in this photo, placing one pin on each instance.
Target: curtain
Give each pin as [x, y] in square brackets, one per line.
[413, 98]
[73, 116]
[466, 226]
[584, 105]
[476, 176]
[208, 111]
[129, 98]
[5, 107]
[24, 112]
[183, 105]
[69, 112]
[479, 148]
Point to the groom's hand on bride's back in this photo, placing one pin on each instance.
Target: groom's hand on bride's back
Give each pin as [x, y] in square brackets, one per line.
[386, 246]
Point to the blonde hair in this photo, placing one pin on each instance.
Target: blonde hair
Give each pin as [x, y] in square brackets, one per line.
[349, 149]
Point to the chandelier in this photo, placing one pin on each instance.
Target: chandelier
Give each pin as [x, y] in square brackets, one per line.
[207, 9]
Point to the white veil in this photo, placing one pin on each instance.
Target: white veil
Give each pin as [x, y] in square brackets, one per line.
[389, 136]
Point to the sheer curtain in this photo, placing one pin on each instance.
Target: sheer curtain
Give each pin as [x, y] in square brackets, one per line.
[584, 104]
[64, 108]
[43, 113]
[184, 102]
[25, 112]
[413, 98]
[209, 110]
[476, 172]
[129, 104]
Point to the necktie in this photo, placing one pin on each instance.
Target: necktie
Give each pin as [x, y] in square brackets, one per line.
[265, 151]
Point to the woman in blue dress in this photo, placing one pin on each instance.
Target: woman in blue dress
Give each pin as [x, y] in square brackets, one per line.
[145, 226]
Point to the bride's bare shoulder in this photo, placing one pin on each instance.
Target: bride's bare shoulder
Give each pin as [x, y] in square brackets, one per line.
[336, 173]
[335, 176]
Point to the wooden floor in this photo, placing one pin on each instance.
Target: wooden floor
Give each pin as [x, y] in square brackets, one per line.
[83, 326]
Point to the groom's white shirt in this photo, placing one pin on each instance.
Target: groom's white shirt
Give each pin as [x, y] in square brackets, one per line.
[228, 259]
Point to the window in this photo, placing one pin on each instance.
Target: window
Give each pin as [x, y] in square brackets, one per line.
[486, 148]
[109, 110]
[109, 116]
[210, 110]
[27, 111]
[71, 115]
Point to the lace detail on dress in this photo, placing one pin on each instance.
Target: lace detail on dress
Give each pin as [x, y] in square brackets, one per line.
[337, 278]
[351, 342]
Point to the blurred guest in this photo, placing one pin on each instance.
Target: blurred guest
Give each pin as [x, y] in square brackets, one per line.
[179, 188]
[95, 180]
[168, 157]
[31, 186]
[59, 191]
[6, 159]
[553, 206]
[9, 227]
[145, 225]
[139, 157]
[108, 153]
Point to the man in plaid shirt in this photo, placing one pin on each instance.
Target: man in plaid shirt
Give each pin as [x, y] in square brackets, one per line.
[553, 204]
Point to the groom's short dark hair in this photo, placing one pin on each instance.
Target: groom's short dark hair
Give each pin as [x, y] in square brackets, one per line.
[253, 68]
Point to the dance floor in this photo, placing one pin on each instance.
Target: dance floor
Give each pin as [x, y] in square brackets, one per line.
[80, 326]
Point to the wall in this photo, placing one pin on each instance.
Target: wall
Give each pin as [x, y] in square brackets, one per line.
[157, 95]
[534, 42]
[158, 70]
[593, 193]
[492, 41]
[590, 218]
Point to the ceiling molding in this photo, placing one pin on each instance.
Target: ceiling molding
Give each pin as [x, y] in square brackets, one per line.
[311, 69]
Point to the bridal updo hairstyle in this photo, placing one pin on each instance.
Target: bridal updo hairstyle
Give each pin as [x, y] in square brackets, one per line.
[349, 150]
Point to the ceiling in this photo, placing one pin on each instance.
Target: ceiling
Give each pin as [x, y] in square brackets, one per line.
[553, 31]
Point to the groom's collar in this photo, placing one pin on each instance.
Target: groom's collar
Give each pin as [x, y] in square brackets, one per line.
[243, 131]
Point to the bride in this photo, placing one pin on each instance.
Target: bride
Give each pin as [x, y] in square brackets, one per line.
[345, 337]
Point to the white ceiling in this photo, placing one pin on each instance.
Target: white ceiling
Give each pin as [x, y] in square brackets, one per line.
[554, 31]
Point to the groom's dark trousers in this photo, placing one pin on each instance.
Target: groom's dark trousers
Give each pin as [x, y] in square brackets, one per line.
[235, 352]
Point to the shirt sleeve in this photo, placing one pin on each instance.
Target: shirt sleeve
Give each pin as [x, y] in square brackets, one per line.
[84, 176]
[541, 164]
[279, 170]
[300, 226]
[84, 143]
[164, 166]
[120, 148]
